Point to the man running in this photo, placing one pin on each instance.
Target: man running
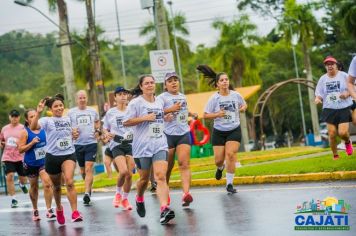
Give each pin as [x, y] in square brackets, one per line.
[87, 121]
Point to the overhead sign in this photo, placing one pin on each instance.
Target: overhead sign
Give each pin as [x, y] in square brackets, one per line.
[161, 63]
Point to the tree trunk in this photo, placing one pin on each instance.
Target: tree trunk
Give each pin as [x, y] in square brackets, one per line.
[95, 60]
[67, 62]
[313, 109]
[162, 26]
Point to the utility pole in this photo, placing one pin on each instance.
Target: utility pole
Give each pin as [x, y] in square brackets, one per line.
[97, 83]
[120, 45]
[161, 25]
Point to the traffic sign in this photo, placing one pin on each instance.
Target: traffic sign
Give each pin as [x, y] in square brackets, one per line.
[161, 63]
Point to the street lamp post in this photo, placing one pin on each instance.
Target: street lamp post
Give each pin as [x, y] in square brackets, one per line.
[120, 45]
[170, 3]
[294, 43]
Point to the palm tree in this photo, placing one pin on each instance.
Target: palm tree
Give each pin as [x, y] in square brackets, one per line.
[299, 19]
[231, 52]
[348, 14]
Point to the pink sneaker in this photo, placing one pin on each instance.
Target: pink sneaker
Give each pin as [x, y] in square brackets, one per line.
[349, 148]
[60, 217]
[126, 205]
[117, 200]
[76, 216]
[187, 199]
[35, 215]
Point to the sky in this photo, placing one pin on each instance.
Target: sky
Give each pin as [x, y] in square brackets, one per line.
[199, 13]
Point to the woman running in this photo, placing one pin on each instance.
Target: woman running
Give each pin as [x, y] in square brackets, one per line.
[177, 132]
[120, 146]
[33, 144]
[332, 92]
[11, 157]
[224, 107]
[149, 144]
[60, 156]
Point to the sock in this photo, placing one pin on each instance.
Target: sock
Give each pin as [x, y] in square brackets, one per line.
[221, 167]
[13, 197]
[140, 198]
[125, 195]
[118, 190]
[229, 178]
[87, 193]
[163, 208]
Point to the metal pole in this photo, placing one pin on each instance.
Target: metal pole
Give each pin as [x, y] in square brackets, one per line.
[155, 21]
[299, 90]
[120, 45]
[176, 46]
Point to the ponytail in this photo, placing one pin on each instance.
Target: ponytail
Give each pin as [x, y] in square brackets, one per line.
[50, 100]
[211, 75]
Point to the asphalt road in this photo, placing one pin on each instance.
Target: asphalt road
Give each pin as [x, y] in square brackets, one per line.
[255, 210]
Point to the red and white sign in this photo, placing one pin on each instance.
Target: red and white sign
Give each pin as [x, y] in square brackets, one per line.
[161, 63]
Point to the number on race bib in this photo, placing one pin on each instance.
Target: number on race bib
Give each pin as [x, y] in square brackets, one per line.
[40, 153]
[333, 97]
[182, 117]
[83, 120]
[11, 142]
[155, 130]
[64, 143]
[229, 117]
[128, 136]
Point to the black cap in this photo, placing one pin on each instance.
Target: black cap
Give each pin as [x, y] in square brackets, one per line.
[121, 89]
[14, 112]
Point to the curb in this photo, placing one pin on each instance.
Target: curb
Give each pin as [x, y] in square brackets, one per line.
[264, 179]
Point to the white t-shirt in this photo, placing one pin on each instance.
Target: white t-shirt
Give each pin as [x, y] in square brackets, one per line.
[179, 124]
[230, 104]
[352, 68]
[329, 89]
[59, 135]
[113, 121]
[148, 137]
[84, 120]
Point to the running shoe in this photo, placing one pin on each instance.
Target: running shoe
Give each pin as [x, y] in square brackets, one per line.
[60, 217]
[187, 199]
[50, 214]
[336, 157]
[24, 189]
[76, 216]
[35, 215]
[86, 199]
[140, 208]
[117, 200]
[153, 187]
[349, 148]
[126, 205]
[218, 173]
[14, 203]
[166, 215]
[230, 189]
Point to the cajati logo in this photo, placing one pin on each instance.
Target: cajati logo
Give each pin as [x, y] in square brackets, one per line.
[327, 214]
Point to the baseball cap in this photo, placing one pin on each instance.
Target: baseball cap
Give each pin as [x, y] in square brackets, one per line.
[330, 59]
[14, 112]
[170, 75]
[120, 89]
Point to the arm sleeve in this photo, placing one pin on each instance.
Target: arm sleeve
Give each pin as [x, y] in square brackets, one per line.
[352, 68]
[319, 88]
[131, 111]
[209, 108]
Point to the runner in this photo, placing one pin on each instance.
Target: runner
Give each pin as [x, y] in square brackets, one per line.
[11, 157]
[87, 121]
[224, 107]
[149, 144]
[32, 143]
[331, 91]
[60, 156]
[177, 132]
[120, 146]
[351, 87]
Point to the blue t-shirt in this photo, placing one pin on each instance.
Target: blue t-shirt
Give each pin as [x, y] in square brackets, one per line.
[35, 156]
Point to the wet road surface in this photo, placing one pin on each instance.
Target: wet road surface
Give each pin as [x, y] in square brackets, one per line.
[255, 210]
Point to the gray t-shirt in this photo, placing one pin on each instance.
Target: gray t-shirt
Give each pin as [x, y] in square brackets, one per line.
[58, 134]
[84, 120]
[179, 124]
[113, 123]
[329, 89]
[352, 68]
[148, 137]
[230, 104]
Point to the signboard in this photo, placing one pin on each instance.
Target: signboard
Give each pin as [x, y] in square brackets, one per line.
[161, 63]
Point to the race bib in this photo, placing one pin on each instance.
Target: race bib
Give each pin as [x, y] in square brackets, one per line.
[83, 120]
[40, 153]
[230, 117]
[64, 143]
[128, 136]
[333, 97]
[182, 117]
[11, 142]
[155, 130]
